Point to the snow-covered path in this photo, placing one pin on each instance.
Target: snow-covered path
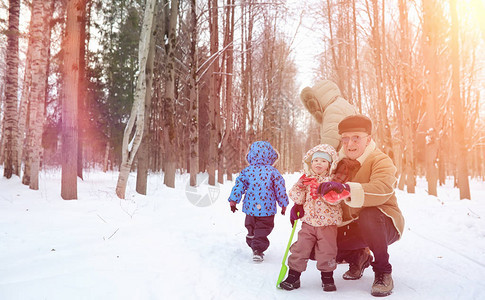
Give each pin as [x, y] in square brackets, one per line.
[161, 246]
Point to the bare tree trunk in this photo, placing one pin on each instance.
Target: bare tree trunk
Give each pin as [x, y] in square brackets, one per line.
[405, 92]
[378, 38]
[358, 102]
[245, 61]
[81, 117]
[23, 107]
[2, 135]
[39, 33]
[72, 43]
[194, 98]
[247, 121]
[11, 88]
[228, 64]
[130, 147]
[229, 157]
[458, 108]
[143, 152]
[430, 24]
[335, 58]
[170, 161]
[214, 101]
[27, 151]
[106, 156]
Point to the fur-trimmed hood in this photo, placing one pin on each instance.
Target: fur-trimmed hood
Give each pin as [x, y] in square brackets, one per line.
[326, 104]
[322, 94]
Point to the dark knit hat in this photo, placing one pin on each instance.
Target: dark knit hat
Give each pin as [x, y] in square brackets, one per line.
[355, 123]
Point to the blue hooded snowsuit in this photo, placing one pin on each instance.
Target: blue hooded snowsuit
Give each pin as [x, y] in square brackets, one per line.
[262, 183]
[263, 187]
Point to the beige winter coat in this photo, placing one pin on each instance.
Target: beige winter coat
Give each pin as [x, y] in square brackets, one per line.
[373, 186]
[318, 212]
[324, 101]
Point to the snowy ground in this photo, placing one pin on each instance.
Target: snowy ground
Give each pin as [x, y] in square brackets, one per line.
[162, 246]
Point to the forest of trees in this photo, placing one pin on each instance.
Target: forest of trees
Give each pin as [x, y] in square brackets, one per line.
[186, 86]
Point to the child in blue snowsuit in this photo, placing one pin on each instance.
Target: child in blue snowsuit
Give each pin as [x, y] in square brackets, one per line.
[263, 187]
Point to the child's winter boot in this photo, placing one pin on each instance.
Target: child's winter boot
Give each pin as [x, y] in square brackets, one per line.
[258, 256]
[292, 281]
[327, 282]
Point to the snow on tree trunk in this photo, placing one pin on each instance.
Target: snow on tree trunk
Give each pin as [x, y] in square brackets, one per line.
[137, 116]
[143, 155]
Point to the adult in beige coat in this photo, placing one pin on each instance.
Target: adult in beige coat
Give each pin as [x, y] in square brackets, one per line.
[371, 215]
[325, 102]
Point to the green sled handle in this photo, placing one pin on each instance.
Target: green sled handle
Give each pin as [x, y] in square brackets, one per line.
[284, 268]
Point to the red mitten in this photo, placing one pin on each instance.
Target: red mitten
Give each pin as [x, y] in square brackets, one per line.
[307, 180]
[334, 197]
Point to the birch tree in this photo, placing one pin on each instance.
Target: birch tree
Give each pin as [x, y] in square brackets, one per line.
[136, 121]
[23, 110]
[11, 88]
[39, 33]
[143, 153]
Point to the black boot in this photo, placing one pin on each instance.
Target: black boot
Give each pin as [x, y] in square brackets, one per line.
[327, 282]
[292, 281]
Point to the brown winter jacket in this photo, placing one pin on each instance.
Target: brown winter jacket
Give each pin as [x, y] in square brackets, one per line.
[373, 185]
[325, 102]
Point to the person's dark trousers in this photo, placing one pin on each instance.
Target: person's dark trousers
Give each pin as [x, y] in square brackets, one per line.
[372, 229]
[258, 230]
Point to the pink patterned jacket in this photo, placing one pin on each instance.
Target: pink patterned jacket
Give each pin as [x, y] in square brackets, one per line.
[318, 212]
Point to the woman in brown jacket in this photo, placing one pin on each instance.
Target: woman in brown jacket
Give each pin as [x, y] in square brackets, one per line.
[325, 102]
